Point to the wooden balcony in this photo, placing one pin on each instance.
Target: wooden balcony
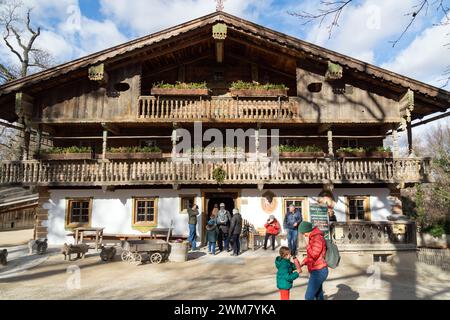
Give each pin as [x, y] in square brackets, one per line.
[184, 109]
[160, 172]
[374, 236]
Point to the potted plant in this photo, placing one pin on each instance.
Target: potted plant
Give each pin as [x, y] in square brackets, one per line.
[219, 174]
[180, 89]
[255, 89]
[312, 151]
[380, 152]
[66, 153]
[125, 153]
[349, 152]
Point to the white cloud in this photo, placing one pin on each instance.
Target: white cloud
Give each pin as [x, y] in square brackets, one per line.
[425, 58]
[144, 16]
[363, 27]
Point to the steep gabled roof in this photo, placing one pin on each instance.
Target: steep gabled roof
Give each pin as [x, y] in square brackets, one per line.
[433, 94]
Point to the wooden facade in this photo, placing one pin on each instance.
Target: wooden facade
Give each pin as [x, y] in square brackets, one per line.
[105, 100]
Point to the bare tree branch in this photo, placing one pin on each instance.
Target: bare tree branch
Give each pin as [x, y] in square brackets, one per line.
[19, 33]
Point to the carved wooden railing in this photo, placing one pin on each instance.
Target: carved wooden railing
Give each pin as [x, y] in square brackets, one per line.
[133, 172]
[369, 235]
[151, 107]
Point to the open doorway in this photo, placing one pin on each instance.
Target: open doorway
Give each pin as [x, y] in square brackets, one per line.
[230, 199]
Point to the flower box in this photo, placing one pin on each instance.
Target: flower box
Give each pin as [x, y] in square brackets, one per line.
[179, 92]
[351, 154]
[259, 92]
[133, 155]
[66, 156]
[301, 154]
[380, 154]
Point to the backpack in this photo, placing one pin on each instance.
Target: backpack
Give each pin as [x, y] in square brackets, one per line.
[332, 256]
[222, 217]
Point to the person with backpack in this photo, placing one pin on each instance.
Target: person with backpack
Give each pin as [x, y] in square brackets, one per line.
[223, 223]
[272, 229]
[291, 221]
[235, 231]
[315, 260]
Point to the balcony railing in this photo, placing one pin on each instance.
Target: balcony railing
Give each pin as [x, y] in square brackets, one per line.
[151, 107]
[369, 235]
[142, 172]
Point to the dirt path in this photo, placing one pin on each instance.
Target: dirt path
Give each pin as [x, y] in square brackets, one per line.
[15, 238]
[250, 276]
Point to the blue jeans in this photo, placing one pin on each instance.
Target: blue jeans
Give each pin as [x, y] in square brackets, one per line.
[192, 236]
[316, 280]
[212, 247]
[292, 238]
[223, 239]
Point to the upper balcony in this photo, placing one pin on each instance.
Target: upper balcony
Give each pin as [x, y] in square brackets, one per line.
[163, 172]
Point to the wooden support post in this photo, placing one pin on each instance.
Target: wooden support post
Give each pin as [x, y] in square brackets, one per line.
[105, 144]
[330, 143]
[38, 139]
[174, 143]
[257, 143]
[26, 143]
[40, 231]
[410, 138]
[395, 142]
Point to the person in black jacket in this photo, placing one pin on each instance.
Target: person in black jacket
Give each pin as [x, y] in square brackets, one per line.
[235, 231]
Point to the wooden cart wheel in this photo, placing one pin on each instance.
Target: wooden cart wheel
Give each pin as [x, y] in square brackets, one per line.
[126, 256]
[156, 258]
[137, 258]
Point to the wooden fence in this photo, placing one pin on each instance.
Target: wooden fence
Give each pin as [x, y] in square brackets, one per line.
[436, 257]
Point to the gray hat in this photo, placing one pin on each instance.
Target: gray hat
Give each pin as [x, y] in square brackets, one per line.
[222, 204]
[271, 217]
[235, 210]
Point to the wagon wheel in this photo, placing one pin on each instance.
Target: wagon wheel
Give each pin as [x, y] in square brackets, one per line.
[137, 258]
[156, 258]
[126, 256]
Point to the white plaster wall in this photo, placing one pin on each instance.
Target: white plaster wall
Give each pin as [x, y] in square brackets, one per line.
[251, 203]
[113, 211]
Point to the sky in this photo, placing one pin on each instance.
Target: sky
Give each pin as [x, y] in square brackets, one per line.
[75, 28]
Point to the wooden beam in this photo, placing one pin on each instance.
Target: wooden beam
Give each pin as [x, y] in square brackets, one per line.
[324, 127]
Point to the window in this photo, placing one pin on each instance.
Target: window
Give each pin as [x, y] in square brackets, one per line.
[78, 212]
[299, 203]
[145, 211]
[358, 208]
[186, 201]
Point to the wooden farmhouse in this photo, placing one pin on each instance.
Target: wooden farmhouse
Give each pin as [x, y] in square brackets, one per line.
[313, 121]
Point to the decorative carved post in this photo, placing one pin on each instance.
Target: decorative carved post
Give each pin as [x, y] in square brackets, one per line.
[174, 142]
[410, 139]
[38, 140]
[257, 143]
[330, 143]
[26, 142]
[395, 142]
[105, 144]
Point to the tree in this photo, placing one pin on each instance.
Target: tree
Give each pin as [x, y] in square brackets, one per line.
[431, 207]
[20, 36]
[330, 12]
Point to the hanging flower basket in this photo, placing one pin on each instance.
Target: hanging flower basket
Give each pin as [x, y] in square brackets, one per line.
[219, 174]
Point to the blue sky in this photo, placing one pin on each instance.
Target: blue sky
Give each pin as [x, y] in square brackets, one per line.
[74, 28]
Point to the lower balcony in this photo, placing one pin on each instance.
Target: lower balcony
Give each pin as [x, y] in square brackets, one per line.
[160, 172]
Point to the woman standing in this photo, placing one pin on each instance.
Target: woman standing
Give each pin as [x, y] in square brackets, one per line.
[315, 260]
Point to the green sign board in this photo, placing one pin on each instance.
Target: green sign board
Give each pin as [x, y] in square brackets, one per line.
[319, 218]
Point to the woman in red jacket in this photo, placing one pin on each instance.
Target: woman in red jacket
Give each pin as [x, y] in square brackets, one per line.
[315, 260]
[272, 229]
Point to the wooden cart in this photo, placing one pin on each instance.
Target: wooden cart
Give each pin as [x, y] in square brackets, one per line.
[153, 250]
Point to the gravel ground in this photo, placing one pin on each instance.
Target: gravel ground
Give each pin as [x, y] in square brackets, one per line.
[249, 276]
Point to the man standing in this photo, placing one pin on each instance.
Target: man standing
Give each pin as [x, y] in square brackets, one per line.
[193, 214]
[291, 222]
[223, 222]
[235, 231]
